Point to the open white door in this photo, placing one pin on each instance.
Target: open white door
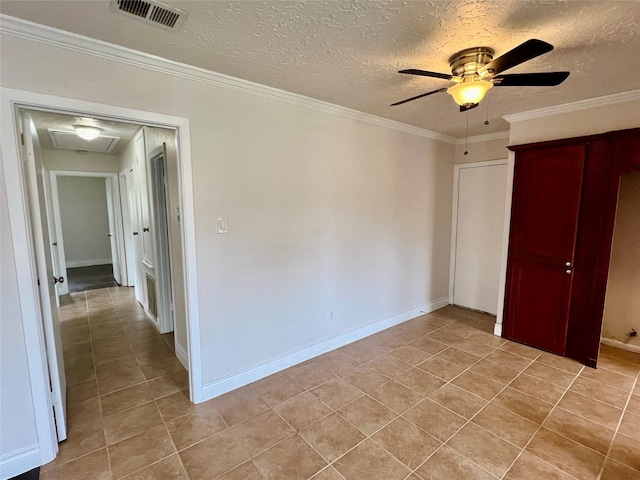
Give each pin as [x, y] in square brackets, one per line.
[53, 234]
[113, 232]
[480, 199]
[60, 261]
[46, 281]
[134, 235]
[126, 229]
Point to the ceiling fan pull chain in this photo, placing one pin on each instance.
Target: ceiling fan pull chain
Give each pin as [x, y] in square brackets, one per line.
[486, 118]
[466, 136]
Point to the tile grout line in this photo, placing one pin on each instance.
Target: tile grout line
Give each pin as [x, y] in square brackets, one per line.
[472, 417]
[542, 423]
[155, 402]
[106, 447]
[396, 415]
[426, 397]
[615, 433]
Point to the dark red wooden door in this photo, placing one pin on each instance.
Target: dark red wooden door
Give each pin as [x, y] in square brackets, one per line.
[544, 223]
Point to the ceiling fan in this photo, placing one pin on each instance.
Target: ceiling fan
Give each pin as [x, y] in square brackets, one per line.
[474, 71]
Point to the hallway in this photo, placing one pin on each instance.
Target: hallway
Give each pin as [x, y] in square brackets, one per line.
[435, 398]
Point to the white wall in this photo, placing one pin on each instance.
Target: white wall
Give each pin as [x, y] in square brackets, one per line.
[84, 219]
[17, 419]
[622, 304]
[80, 162]
[481, 150]
[325, 212]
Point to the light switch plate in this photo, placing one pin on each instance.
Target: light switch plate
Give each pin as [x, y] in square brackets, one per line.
[223, 225]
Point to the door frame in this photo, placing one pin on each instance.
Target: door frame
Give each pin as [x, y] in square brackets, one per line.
[131, 276]
[156, 163]
[10, 151]
[505, 237]
[57, 219]
[112, 190]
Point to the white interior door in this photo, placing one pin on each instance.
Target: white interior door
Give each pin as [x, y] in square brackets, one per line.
[37, 208]
[56, 220]
[53, 234]
[135, 236]
[478, 241]
[126, 229]
[112, 233]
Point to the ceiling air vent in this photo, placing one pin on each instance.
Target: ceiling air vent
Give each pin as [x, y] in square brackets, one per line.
[154, 13]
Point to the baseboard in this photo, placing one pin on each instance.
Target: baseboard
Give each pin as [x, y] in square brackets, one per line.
[621, 345]
[88, 263]
[497, 329]
[182, 356]
[20, 461]
[246, 376]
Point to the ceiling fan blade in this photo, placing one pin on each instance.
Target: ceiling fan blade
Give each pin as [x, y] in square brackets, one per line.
[550, 79]
[523, 52]
[468, 106]
[425, 73]
[418, 96]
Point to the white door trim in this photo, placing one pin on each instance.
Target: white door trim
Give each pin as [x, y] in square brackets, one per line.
[511, 162]
[454, 222]
[115, 241]
[33, 328]
[156, 162]
[10, 100]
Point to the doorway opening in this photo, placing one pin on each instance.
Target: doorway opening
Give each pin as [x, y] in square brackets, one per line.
[103, 341]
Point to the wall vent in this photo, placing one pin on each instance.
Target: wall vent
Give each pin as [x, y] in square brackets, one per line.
[152, 12]
[152, 305]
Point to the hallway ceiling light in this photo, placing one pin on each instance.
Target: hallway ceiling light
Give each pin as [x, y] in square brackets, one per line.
[87, 132]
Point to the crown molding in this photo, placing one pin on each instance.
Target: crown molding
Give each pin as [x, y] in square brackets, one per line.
[80, 44]
[483, 138]
[605, 100]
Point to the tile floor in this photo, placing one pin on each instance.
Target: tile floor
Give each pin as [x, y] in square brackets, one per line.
[435, 398]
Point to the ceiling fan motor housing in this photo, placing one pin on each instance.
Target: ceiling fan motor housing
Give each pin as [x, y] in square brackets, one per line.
[470, 60]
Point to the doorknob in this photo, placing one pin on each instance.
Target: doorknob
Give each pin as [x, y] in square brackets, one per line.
[108, 234]
[58, 280]
[55, 244]
[135, 233]
[568, 271]
[145, 229]
[568, 264]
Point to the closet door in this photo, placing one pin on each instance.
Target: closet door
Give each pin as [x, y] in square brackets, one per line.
[544, 224]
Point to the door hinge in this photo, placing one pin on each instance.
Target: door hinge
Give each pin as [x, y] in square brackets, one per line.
[38, 282]
[54, 399]
[22, 138]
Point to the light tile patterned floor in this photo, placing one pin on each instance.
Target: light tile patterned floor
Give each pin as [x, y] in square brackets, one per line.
[435, 398]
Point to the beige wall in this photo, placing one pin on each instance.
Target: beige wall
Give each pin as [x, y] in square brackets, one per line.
[622, 305]
[85, 221]
[326, 213]
[81, 162]
[479, 150]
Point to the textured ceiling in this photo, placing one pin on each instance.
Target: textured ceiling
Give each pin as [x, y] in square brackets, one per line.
[348, 52]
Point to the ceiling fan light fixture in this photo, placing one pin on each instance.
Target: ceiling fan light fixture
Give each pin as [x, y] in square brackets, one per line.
[87, 132]
[469, 91]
